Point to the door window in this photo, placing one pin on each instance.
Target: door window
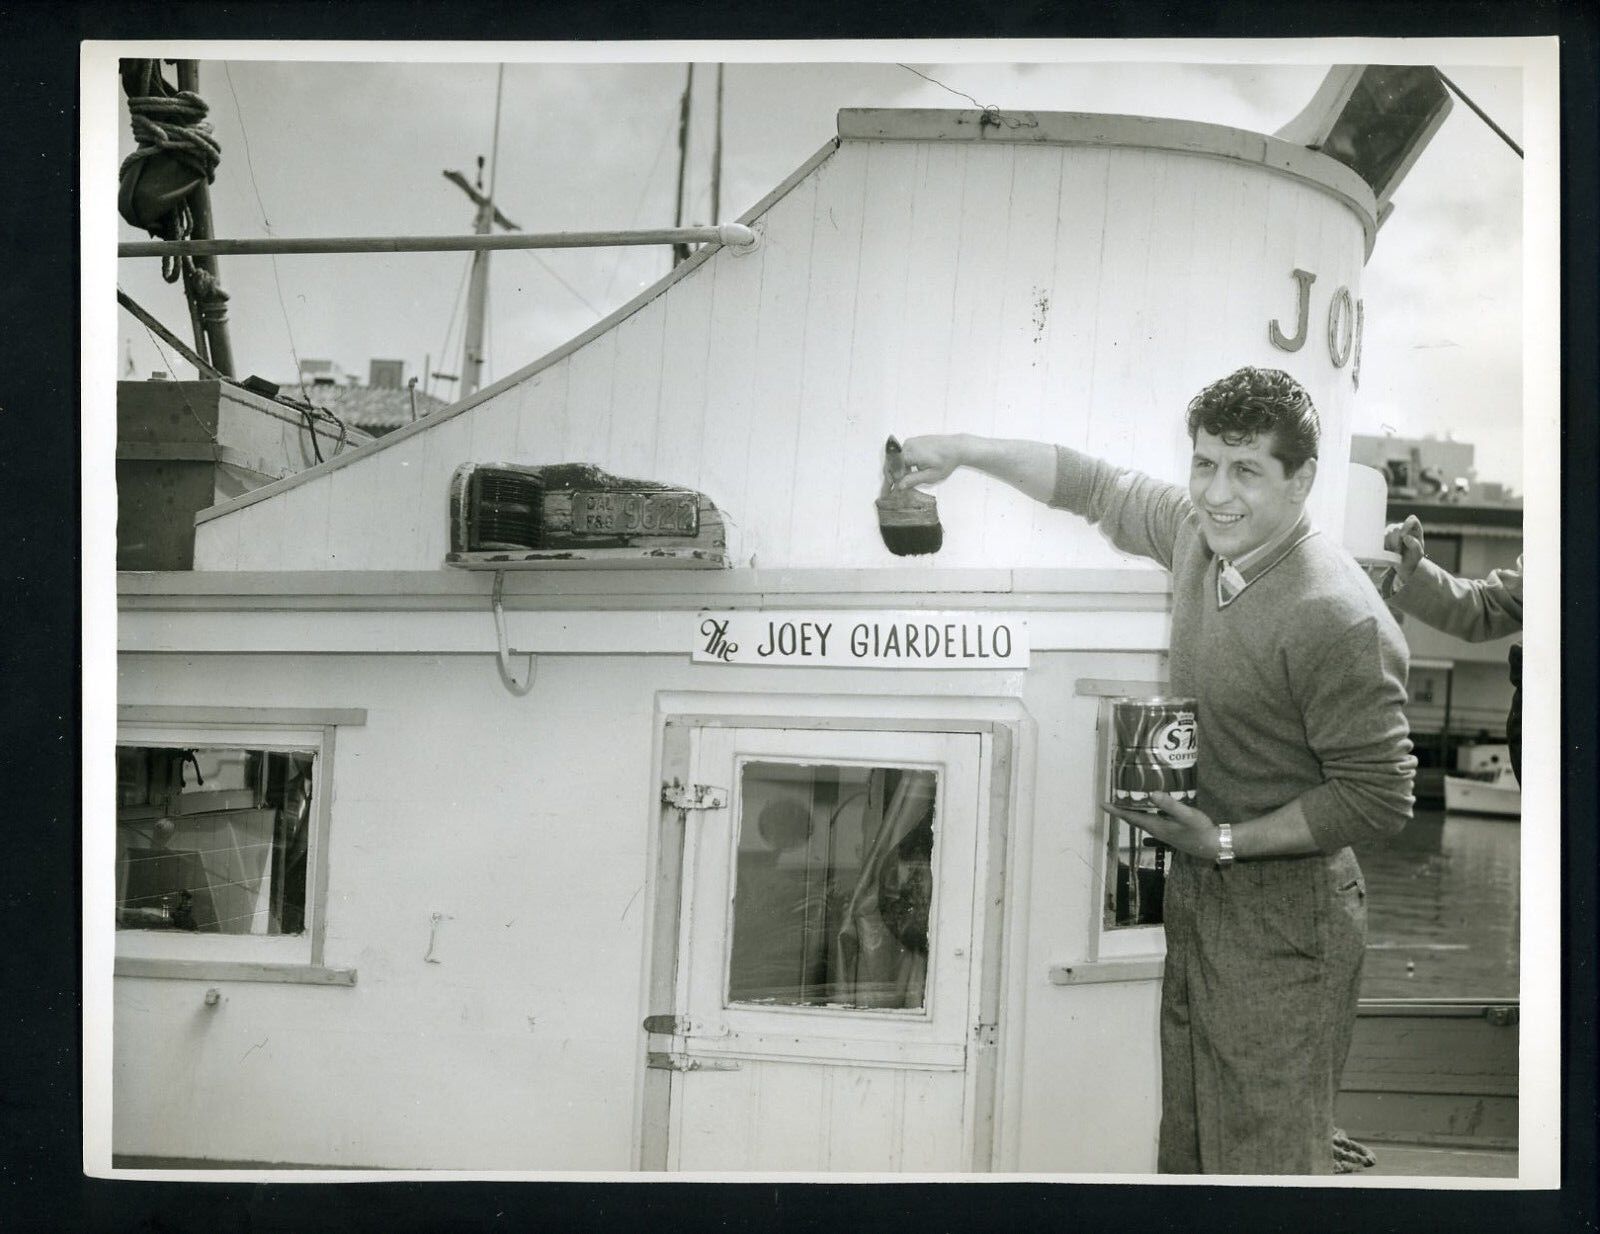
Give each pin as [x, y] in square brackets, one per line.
[833, 886]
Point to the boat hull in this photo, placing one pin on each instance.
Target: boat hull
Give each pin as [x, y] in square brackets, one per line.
[1502, 797]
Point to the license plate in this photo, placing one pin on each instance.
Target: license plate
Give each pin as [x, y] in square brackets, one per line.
[621, 512]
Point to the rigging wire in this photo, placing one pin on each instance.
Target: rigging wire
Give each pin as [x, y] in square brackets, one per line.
[644, 189]
[167, 360]
[942, 86]
[310, 413]
[455, 309]
[551, 271]
[991, 113]
[255, 187]
[1479, 112]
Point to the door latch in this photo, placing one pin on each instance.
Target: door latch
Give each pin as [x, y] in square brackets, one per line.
[683, 1026]
[693, 796]
[684, 1062]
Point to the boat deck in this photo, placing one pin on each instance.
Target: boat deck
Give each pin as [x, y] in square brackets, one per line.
[1426, 1161]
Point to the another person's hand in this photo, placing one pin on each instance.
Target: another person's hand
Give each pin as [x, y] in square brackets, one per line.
[930, 459]
[1406, 539]
[1178, 826]
[1349, 1156]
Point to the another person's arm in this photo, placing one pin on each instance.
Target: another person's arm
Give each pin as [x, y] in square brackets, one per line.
[1471, 609]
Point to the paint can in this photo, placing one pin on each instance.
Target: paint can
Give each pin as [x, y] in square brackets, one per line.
[1155, 751]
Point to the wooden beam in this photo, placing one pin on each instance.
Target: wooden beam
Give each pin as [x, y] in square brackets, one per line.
[735, 234]
[167, 336]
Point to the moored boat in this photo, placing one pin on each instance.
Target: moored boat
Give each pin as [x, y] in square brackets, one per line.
[1494, 791]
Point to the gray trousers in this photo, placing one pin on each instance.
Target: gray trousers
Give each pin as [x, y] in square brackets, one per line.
[1258, 1004]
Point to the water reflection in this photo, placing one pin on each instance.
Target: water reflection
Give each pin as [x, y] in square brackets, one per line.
[1443, 915]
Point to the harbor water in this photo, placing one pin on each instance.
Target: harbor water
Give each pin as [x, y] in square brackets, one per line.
[1443, 912]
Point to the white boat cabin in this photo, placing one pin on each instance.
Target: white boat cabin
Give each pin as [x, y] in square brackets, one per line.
[516, 866]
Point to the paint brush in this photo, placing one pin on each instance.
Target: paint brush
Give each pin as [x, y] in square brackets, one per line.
[908, 519]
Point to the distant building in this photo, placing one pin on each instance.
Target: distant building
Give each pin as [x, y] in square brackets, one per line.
[1428, 469]
[382, 405]
[1459, 691]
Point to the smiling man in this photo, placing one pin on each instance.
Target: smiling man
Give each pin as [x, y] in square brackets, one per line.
[1299, 671]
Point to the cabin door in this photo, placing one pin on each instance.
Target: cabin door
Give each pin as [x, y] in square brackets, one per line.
[826, 1004]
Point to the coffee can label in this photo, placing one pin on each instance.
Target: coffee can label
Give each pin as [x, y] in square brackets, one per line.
[1175, 743]
[1157, 747]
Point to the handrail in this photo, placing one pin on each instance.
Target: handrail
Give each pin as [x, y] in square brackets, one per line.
[734, 235]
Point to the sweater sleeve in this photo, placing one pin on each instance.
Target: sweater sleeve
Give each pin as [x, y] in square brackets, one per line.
[1473, 609]
[1352, 699]
[1138, 514]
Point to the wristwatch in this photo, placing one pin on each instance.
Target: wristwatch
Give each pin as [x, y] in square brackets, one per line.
[1224, 845]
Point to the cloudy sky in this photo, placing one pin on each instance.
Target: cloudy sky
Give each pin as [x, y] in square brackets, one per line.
[320, 148]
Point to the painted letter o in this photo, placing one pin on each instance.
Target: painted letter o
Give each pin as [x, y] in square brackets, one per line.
[1341, 327]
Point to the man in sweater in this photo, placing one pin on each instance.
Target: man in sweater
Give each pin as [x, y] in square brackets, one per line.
[1475, 609]
[1299, 671]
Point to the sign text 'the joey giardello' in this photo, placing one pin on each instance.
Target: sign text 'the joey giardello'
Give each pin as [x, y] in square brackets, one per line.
[847, 639]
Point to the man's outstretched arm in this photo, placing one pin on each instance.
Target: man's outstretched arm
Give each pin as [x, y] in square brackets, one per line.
[1138, 514]
[1026, 465]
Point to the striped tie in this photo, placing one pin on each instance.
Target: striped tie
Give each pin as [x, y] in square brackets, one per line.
[1229, 582]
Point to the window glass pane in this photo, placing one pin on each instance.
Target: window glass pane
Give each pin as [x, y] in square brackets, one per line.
[1134, 897]
[1443, 549]
[213, 839]
[834, 886]
[1136, 866]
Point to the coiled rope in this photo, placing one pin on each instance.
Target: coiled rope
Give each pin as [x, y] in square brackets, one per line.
[172, 124]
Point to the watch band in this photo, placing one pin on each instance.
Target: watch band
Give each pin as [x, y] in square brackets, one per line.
[1224, 845]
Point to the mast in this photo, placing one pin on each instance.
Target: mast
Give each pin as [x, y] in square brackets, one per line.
[716, 157]
[478, 289]
[209, 301]
[680, 252]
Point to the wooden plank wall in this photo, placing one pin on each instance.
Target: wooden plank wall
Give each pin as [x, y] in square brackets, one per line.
[1075, 293]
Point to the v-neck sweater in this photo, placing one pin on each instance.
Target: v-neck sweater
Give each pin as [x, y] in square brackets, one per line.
[1299, 679]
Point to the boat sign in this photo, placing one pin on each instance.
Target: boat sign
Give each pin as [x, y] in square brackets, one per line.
[848, 639]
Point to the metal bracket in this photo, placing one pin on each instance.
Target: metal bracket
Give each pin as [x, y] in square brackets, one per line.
[1502, 1017]
[505, 651]
[671, 1025]
[985, 1036]
[684, 1062]
[693, 796]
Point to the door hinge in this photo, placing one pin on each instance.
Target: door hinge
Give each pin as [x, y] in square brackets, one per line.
[693, 796]
[684, 1062]
[984, 1036]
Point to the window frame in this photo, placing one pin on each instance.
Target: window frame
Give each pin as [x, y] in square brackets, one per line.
[1114, 942]
[284, 958]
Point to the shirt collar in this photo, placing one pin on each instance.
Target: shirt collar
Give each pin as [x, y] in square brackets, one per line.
[1252, 565]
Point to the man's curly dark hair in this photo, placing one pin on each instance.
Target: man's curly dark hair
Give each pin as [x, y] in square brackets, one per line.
[1252, 401]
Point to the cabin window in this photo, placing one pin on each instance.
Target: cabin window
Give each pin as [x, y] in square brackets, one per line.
[1134, 865]
[1443, 548]
[222, 825]
[834, 886]
[214, 839]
